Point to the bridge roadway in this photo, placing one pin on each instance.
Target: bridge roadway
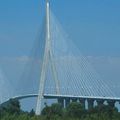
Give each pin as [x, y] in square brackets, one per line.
[65, 99]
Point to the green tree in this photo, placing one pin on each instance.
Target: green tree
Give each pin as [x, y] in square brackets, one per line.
[32, 113]
[52, 112]
[12, 107]
[57, 109]
[75, 110]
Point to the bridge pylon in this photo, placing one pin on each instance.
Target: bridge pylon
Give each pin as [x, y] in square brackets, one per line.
[48, 57]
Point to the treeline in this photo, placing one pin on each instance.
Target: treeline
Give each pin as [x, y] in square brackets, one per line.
[74, 111]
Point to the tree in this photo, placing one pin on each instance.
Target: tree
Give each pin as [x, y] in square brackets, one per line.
[104, 110]
[75, 110]
[52, 112]
[32, 113]
[12, 107]
[56, 109]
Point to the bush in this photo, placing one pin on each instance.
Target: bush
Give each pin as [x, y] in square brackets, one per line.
[75, 110]
[53, 111]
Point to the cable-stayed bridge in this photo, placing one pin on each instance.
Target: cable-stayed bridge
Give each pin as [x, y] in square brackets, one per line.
[60, 71]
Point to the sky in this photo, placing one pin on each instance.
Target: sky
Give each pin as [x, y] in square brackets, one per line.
[93, 25]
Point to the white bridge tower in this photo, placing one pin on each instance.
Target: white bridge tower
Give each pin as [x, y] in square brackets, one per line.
[48, 57]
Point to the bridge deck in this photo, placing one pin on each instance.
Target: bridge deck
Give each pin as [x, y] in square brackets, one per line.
[54, 96]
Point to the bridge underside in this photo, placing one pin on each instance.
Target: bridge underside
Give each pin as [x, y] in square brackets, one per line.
[64, 100]
[52, 96]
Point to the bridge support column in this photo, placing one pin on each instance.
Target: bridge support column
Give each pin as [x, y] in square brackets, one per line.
[61, 102]
[90, 103]
[100, 102]
[67, 102]
[74, 99]
[111, 103]
[82, 101]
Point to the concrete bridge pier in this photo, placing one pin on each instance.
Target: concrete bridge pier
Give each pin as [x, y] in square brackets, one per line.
[67, 102]
[111, 103]
[100, 102]
[82, 101]
[90, 103]
[61, 102]
[74, 99]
